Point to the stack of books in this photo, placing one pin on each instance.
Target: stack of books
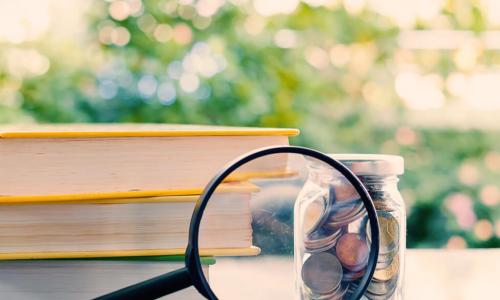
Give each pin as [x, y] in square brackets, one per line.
[87, 209]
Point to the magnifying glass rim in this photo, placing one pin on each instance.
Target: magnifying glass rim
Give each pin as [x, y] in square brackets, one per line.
[192, 258]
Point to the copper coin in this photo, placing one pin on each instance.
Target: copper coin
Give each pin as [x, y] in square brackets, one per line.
[344, 191]
[352, 251]
[351, 276]
[322, 273]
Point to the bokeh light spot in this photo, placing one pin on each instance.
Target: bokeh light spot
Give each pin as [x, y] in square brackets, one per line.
[189, 82]
[483, 230]
[182, 34]
[119, 10]
[339, 55]
[163, 33]
[461, 206]
[166, 93]
[456, 242]
[107, 89]
[120, 36]
[147, 86]
[468, 174]
[490, 195]
[285, 38]
[317, 57]
[406, 136]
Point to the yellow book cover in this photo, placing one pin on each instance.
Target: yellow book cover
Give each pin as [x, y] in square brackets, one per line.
[134, 130]
[249, 251]
[190, 195]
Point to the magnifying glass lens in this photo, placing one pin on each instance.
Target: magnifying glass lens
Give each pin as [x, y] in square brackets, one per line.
[287, 226]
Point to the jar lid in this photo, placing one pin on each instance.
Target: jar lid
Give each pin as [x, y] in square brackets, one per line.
[372, 164]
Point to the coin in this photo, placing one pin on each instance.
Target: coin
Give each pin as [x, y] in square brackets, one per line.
[384, 261]
[377, 288]
[343, 215]
[322, 239]
[335, 295]
[371, 296]
[389, 272]
[343, 191]
[322, 273]
[314, 214]
[382, 205]
[352, 251]
[389, 232]
[338, 211]
[351, 276]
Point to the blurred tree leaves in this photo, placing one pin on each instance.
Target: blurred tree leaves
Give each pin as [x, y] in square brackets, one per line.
[325, 70]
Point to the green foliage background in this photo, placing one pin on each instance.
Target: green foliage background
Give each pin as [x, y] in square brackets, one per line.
[339, 108]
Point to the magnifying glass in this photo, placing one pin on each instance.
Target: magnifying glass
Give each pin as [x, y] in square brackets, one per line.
[300, 225]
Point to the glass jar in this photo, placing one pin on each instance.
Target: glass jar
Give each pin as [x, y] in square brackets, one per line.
[332, 239]
[379, 174]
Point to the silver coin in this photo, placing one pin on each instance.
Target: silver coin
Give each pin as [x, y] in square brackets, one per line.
[335, 295]
[342, 216]
[371, 296]
[315, 214]
[322, 240]
[383, 264]
[384, 260]
[322, 273]
[382, 288]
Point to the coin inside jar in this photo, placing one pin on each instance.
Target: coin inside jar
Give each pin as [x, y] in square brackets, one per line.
[389, 232]
[342, 192]
[322, 273]
[335, 295]
[352, 251]
[314, 214]
[383, 289]
[341, 216]
[322, 240]
[389, 272]
[351, 276]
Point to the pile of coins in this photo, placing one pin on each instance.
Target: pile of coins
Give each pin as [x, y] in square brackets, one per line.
[335, 243]
[336, 240]
[385, 278]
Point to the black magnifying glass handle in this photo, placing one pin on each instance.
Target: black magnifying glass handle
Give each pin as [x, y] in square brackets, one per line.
[153, 288]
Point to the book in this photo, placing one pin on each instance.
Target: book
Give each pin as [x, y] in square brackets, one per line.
[100, 159]
[34, 228]
[87, 279]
